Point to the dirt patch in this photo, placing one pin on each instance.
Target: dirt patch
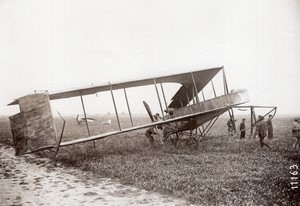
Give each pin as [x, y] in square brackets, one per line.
[29, 180]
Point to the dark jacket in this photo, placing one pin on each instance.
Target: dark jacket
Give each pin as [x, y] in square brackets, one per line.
[262, 129]
[242, 126]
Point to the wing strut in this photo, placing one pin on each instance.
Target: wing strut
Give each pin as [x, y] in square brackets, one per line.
[213, 86]
[163, 92]
[197, 97]
[195, 87]
[226, 91]
[113, 98]
[128, 106]
[203, 95]
[210, 124]
[162, 111]
[87, 124]
[61, 135]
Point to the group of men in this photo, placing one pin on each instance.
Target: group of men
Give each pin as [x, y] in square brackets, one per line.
[263, 128]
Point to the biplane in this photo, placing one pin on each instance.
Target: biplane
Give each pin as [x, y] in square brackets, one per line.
[33, 128]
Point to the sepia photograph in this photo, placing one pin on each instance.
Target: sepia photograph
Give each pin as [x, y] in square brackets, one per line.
[139, 102]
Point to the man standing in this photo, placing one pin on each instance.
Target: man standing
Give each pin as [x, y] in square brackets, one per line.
[270, 127]
[153, 130]
[296, 132]
[243, 129]
[230, 125]
[262, 131]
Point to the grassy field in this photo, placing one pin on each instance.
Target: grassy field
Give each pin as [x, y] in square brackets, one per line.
[222, 171]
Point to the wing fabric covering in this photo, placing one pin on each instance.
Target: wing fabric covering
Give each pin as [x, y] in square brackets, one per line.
[202, 77]
[187, 91]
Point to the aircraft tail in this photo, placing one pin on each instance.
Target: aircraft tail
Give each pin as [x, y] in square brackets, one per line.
[33, 127]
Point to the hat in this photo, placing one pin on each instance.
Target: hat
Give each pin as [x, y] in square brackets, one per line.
[297, 118]
[270, 115]
[260, 117]
[244, 119]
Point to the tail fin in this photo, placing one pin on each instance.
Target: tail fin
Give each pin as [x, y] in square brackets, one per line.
[33, 128]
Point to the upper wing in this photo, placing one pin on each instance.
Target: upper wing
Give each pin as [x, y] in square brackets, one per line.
[202, 77]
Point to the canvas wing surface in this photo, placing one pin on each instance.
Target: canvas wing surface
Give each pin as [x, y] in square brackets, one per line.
[201, 76]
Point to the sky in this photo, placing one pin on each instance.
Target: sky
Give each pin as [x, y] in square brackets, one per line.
[60, 44]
